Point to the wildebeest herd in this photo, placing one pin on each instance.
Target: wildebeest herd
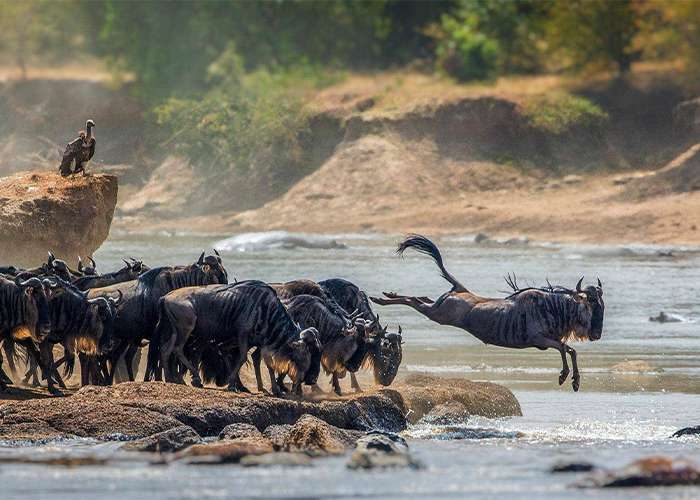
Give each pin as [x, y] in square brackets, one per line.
[196, 323]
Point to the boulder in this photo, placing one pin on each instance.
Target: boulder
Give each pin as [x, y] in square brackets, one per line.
[224, 451]
[282, 458]
[572, 467]
[240, 430]
[277, 434]
[421, 393]
[651, 471]
[451, 412]
[168, 441]
[315, 437]
[380, 450]
[42, 211]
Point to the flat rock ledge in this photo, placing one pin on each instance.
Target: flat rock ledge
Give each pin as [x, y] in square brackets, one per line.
[138, 410]
[42, 211]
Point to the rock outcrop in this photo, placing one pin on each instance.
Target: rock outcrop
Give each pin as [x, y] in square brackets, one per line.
[422, 393]
[42, 211]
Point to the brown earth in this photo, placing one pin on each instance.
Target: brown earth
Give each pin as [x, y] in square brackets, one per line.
[43, 211]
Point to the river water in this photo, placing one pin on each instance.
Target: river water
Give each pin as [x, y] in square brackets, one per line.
[618, 416]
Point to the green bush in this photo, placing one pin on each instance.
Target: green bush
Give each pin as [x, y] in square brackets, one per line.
[561, 112]
[464, 53]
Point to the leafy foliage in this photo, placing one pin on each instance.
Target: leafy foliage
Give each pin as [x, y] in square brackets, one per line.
[562, 112]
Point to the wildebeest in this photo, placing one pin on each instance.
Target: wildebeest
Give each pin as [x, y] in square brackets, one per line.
[77, 323]
[131, 271]
[137, 315]
[90, 270]
[24, 316]
[383, 350]
[535, 317]
[234, 318]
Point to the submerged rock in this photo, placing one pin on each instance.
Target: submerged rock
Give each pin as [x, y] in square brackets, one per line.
[651, 471]
[277, 434]
[687, 431]
[224, 451]
[635, 366]
[282, 458]
[665, 318]
[572, 467]
[167, 441]
[380, 450]
[451, 412]
[315, 437]
[43, 211]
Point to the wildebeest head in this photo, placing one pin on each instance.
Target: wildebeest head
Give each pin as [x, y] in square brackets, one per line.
[36, 305]
[90, 270]
[384, 353]
[591, 299]
[59, 267]
[101, 323]
[212, 264]
[105, 311]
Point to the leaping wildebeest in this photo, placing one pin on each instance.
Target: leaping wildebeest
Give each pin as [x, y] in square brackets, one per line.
[544, 318]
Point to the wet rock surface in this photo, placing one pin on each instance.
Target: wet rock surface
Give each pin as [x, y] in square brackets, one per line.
[421, 393]
[42, 210]
[451, 412]
[281, 458]
[651, 471]
[561, 467]
[315, 437]
[381, 450]
[224, 451]
[240, 430]
[167, 441]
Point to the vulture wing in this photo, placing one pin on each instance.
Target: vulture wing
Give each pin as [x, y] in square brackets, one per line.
[92, 148]
[70, 154]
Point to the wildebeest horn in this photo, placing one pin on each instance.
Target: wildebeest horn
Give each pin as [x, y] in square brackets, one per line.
[600, 285]
[80, 264]
[94, 265]
[217, 252]
[32, 282]
[127, 263]
[201, 259]
[52, 257]
[399, 329]
[578, 285]
[49, 283]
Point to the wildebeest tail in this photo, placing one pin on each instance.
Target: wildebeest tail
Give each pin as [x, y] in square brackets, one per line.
[425, 246]
[69, 360]
[153, 360]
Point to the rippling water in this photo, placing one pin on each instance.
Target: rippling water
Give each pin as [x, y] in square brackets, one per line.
[617, 417]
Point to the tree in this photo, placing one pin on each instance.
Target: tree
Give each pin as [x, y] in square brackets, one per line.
[598, 33]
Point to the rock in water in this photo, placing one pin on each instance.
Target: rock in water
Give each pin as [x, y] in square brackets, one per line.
[665, 318]
[451, 412]
[42, 210]
[651, 471]
[225, 451]
[688, 431]
[279, 458]
[240, 430]
[167, 441]
[316, 437]
[382, 449]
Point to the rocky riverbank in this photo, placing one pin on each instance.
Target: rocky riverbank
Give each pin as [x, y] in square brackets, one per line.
[137, 410]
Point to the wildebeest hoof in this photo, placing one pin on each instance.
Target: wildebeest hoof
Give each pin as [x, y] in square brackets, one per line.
[575, 382]
[197, 383]
[562, 376]
[55, 392]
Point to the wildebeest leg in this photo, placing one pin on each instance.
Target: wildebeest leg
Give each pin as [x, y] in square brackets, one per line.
[575, 377]
[84, 370]
[114, 357]
[280, 383]
[336, 384]
[354, 383]
[276, 391]
[420, 304]
[256, 356]
[32, 373]
[34, 352]
[46, 355]
[129, 360]
[234, 383]
[545, 343]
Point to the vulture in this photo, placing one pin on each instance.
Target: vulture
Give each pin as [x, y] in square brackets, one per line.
[79, 150]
